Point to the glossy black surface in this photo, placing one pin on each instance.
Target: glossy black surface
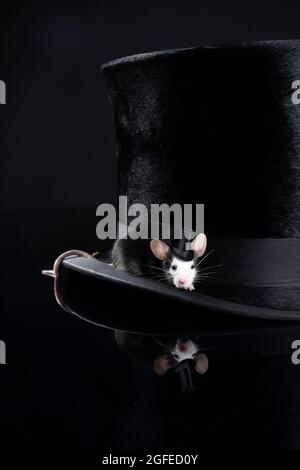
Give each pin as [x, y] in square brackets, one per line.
[70, 384]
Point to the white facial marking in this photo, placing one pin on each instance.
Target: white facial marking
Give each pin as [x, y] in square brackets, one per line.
[182, 273]
[184, 350]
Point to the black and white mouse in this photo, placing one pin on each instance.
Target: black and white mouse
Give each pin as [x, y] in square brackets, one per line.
[180, 352]
[160, 260]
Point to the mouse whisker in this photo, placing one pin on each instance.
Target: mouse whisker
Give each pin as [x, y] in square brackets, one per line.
[154, 267]
[206, 274]
[202, 259]
[159, 278]
[154, 275]
[209, 267]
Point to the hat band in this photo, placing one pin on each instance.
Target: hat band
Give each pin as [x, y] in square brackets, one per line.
[266, 262]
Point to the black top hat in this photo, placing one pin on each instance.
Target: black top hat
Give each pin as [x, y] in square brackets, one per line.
[183, 371]
[218, 126]
[179, 249]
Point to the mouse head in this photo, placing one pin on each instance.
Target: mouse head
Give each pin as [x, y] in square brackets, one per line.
[184, 350]
[181, 272]
[181, 351]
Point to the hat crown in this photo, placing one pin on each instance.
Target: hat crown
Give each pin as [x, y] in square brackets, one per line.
[213, 125]
[180, 248]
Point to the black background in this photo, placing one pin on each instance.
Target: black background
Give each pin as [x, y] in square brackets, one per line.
[66, 383]
[57, 145]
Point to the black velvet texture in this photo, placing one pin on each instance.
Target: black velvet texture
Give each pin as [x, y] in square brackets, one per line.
[215, 125]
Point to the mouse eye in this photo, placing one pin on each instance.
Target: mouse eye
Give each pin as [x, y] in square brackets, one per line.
[174, 267]
[193, 266]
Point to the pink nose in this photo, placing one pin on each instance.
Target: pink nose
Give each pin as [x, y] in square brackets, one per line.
[182, 281]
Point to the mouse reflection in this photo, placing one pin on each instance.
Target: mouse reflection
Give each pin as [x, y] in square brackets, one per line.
[180, 357]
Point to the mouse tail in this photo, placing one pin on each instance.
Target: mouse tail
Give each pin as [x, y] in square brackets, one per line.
[67, 254]
[48, 272]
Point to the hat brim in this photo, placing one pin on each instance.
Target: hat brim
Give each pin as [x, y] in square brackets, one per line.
[121, 300]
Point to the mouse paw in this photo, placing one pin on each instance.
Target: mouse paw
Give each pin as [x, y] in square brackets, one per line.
[191, 288]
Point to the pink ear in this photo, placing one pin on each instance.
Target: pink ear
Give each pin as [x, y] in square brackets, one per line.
[160, 249]
[162, 364]
[201, 363]
[199, 245]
